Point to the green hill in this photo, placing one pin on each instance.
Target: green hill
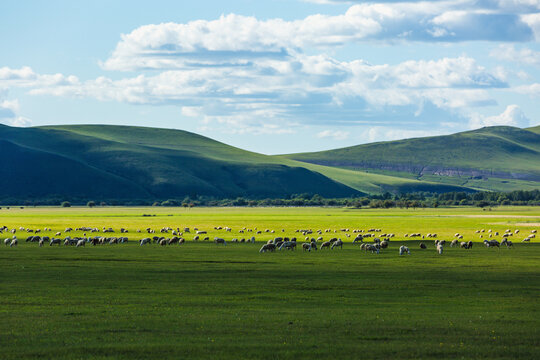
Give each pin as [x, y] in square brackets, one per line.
[163, 164]
[535, 129]
[498, 158]
[102, 162]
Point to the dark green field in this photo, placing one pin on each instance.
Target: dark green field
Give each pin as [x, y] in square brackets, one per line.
[201, 300]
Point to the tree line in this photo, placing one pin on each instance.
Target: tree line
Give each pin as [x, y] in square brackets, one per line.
[386, 200]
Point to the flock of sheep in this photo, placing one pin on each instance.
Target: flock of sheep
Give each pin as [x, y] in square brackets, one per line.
[371, 240]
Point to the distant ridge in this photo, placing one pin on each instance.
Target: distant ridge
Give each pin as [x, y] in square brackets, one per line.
[499, 152]
[126, 162]
[144, 163]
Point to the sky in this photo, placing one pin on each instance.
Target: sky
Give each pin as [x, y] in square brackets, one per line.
[277, 76]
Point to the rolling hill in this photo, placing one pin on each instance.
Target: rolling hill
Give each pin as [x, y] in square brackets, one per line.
[101, 162]
[501, 157]
[141, 163]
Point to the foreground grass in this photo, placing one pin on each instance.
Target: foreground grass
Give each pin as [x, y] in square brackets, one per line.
[200, 300]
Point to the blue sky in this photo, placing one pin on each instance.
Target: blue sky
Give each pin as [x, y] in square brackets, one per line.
[273, 76]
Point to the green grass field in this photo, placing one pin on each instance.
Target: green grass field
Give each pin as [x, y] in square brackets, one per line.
[201, 300]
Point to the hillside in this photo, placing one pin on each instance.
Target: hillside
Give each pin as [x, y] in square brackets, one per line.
[101, 162]
[108, 162]
[535, 129]
[480, 157]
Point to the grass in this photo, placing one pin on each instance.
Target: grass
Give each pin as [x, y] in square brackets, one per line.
[200, 300]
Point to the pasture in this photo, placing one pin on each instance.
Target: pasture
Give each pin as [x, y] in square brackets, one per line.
[202, 300]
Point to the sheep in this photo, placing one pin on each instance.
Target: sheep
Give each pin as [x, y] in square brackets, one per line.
[7, 241]
[289, 245]
[508, 243]
[14, 242]
[306, 246]
[268, 247]
[337, 243]
[145, 241]
[492, 243]
[219, 241]
[454, 243]
[423, 246]
[326, 244]
[374, 248]
[463, 245]
[81, 243]
[439, 249]
[55, 241]
[403, 249]
[384, 244]
[163, 242]
[469, 244]
[41, 242]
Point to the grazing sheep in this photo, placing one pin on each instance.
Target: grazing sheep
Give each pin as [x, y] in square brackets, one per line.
[403, 249]
[337, 243]
[55, 241]
[384, 244]
[219, 241]
[492, 243]
[508, 243]
[326, 244]
[439, 249]
[81, 242]
[145, 241]
[463, 245]
[268, 247]
[7, 241]
[41, 242]
[289, 245]
[423, 246]
[306, 246]
[163, 242]
[454, 243]
[374, 248]
[14, 242]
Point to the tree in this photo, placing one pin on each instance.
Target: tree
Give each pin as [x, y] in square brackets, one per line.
[91, 204]
[66, 204]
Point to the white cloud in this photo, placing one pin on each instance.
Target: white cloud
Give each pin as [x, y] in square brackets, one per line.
[511, 116]
[241, 40]
[334, 134]
[510, 53]
[9, 110]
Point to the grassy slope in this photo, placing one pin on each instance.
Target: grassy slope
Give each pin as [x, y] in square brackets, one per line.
[164, 168]
[535, 129]
[182, 140]
[207, 301]
[495, 148]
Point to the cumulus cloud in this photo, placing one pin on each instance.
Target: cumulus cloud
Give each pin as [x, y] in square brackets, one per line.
[333, 134]
[510, 53]
[9, 110]
[511, 116]
[299, 88]
[236, 40]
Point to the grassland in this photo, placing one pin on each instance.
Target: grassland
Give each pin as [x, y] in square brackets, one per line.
[200, 300]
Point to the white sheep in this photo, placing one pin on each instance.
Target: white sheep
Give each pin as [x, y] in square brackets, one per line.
[145, 241]
[81, 243]
[337, 243]
[440, 249]
[14, 242]
[219, 241]
[306, 246]
[267, 247]
[403, 249]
